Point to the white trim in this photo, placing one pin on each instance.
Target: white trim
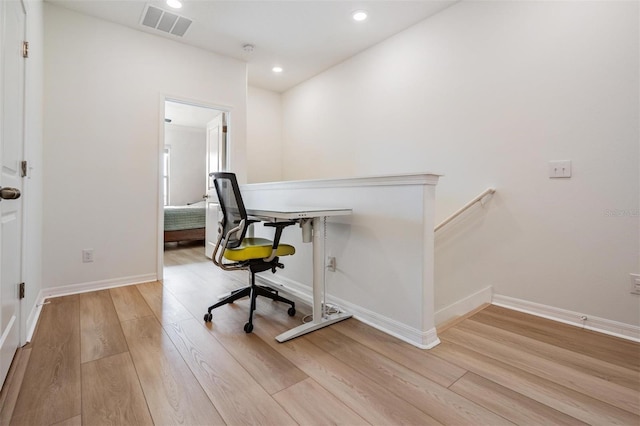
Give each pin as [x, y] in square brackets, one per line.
[464, 306]
[66, 290]
[387, 180]
[421, 339]
[601, 325]
[32, 319]
[292, 287]
[160, 180]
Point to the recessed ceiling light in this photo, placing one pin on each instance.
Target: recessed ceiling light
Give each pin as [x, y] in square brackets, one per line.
[359, 15]
[276, 69]
[176, 4]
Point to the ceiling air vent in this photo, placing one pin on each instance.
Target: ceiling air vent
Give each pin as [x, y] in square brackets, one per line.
[165, 21]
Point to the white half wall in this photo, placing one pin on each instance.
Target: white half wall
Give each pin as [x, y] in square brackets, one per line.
[383, 250]
[104, 90]
[264, 135]
[487, 93]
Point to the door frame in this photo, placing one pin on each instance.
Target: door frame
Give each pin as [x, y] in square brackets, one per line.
[161, 116]
[18, 321]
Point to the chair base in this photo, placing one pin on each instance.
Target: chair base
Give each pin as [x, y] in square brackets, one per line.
[253, 291]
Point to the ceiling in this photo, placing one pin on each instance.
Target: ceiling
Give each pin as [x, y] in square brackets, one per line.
[303, 37]
[182, 114]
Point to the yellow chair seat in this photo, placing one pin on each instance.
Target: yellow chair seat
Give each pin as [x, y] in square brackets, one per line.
[256, 248]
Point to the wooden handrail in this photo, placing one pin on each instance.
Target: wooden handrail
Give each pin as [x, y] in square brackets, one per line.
[486, 192]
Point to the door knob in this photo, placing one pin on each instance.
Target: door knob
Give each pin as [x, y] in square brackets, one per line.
[7, 193]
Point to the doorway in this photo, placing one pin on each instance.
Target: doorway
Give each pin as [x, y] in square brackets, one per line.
[194, 143]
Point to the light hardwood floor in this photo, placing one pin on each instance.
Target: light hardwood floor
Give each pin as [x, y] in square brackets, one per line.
[142, 355]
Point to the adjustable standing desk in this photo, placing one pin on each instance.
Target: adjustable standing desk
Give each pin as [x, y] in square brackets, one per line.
[312, 220]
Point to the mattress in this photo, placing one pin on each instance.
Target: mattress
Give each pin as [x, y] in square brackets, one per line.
[178, 218]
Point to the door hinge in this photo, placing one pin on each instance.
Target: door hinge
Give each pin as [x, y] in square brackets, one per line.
[25, 49]
[21, 290]
[23, 168]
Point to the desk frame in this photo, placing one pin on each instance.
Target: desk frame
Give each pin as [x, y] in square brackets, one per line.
[317, 215]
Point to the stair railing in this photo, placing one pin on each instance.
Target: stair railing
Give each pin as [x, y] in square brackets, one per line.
[487, 193]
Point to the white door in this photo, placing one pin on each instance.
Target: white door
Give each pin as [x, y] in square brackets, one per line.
[216, 161]
[12, 15]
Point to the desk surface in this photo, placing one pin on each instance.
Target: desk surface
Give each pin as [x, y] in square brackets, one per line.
[296, 212]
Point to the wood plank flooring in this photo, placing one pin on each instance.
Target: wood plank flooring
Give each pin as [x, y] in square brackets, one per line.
[142, 355]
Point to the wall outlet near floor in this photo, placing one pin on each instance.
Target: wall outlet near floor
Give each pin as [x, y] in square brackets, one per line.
[87, 255]
[635, 283]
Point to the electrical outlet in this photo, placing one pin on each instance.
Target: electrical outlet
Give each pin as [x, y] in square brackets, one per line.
[87, 255]
[331, 263]
[560, 169]
[635, 283]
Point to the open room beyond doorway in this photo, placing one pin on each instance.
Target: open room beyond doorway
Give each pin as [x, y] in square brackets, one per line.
[195, 144]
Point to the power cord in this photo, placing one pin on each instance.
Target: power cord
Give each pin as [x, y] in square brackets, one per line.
[327, 309]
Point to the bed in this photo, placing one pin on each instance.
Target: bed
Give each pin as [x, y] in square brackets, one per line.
[184, 223]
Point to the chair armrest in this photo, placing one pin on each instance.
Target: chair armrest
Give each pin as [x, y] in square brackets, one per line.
[276, 239]
[224, 240]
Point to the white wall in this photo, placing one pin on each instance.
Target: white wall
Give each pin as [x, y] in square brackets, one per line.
[104, 87]
[187, 166]
[487, 93]
[264, 135]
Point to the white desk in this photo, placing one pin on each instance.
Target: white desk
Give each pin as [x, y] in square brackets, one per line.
[315, 217]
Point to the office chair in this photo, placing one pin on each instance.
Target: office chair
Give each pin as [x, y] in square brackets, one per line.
[234, 251]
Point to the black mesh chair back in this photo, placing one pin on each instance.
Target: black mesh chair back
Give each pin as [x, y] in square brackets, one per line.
[233, 211]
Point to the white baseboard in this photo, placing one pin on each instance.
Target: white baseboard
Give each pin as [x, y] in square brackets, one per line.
[601, 325]
[423, 340]
[32, 319]
[429, 339]
[67, 290]
[464, 306]
[288, 286]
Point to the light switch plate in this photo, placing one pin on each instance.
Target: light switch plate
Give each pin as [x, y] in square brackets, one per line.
[560, 169]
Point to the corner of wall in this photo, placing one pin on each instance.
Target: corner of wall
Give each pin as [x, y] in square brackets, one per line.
[464, 306]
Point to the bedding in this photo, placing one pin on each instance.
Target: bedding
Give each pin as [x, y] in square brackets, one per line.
[184, 223]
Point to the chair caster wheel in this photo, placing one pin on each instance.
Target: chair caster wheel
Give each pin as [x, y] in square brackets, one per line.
[208, 316]
[291, 311]
[248, 327]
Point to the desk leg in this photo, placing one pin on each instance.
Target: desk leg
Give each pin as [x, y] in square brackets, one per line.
[318, 268]
[319, 320]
